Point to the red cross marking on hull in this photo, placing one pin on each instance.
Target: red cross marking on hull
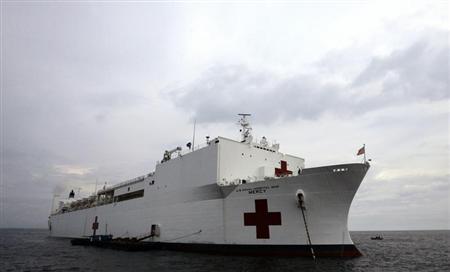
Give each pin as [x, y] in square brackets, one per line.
[282, 171]
[95, 225]
[262, 219]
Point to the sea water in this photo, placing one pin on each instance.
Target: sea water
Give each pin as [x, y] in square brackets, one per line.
[34, 250]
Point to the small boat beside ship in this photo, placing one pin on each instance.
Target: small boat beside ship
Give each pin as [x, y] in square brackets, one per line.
[107, 241]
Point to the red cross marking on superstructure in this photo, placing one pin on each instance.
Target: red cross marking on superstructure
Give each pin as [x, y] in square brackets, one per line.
[262, 219]
[283, 171]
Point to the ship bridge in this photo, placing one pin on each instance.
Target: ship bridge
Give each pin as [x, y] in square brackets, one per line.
[229, 162]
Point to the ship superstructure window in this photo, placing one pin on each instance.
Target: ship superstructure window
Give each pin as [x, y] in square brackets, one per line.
[264, 148]
[129, 196]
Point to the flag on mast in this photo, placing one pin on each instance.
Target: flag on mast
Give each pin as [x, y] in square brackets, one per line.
[361, 151]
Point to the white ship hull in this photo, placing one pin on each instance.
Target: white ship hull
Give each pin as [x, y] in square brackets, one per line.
[233, 219]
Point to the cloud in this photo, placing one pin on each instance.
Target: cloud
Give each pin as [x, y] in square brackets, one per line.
[413, 202]
[73, 169]
[116, 99]
[82, 92]
[395, 173]
[224, 91]
[418, 72]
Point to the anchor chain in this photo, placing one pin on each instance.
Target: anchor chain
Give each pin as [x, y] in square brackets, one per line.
[301, 202]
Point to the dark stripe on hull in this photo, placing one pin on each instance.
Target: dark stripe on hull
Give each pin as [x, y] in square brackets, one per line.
[267, 250]
[226, 249]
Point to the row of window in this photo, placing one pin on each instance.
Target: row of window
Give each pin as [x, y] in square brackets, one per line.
[129, 196]
[340, 169]
[263, 148]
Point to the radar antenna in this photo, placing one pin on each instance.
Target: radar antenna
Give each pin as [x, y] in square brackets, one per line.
[246, 130]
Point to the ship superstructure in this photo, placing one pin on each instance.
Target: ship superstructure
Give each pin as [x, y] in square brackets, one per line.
[234, 197]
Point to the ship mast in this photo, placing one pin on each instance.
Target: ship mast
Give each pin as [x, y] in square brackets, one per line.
[246, 130]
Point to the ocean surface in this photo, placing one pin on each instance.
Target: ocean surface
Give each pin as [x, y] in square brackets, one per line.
[33, 250]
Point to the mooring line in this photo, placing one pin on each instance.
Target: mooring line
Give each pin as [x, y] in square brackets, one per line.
[307, 233]
[184, 236]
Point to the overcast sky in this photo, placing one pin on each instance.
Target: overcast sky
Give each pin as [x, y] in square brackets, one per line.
[99, 91]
